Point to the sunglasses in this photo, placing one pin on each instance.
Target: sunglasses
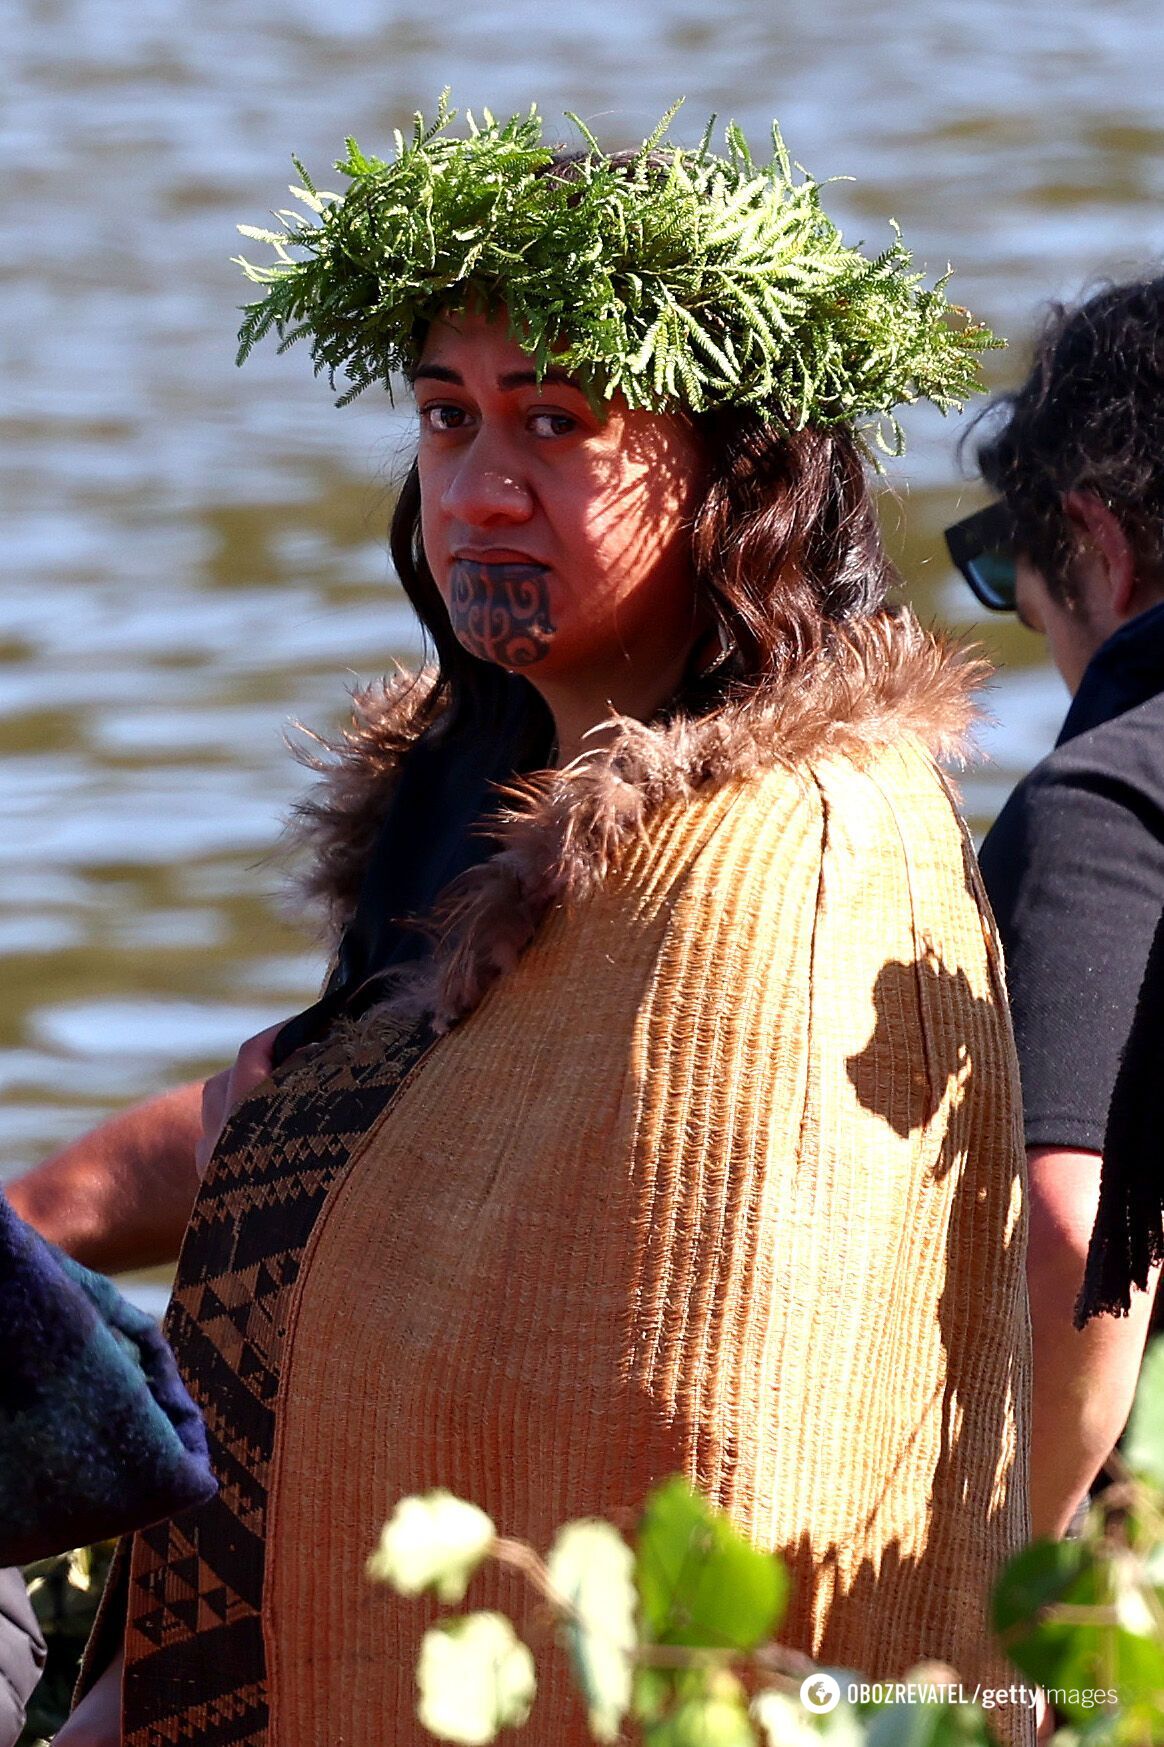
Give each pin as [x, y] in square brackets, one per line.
[982, 547]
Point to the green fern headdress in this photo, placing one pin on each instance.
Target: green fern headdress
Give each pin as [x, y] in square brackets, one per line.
[675, 277]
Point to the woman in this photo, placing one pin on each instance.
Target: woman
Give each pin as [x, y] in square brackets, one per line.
[686, 1137]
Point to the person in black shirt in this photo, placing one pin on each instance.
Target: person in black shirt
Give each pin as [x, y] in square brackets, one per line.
[1074, 865]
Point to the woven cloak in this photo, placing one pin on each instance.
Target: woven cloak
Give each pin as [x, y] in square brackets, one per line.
[695, 1150]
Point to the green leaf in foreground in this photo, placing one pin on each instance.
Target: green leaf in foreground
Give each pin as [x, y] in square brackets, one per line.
[1143, 1445]
[714, 1715]
[475, 1677]
[434, 1541]
[700, 1581]
[1040, 1575]
[592, 1568]
[1076, 1619]
[785, 1723]
[928, 1725]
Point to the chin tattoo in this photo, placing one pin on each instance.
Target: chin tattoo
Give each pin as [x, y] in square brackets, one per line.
[501, 612]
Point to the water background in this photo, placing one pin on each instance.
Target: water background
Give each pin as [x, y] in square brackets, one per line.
[192, 557]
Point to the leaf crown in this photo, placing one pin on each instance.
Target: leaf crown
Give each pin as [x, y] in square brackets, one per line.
[671, 276]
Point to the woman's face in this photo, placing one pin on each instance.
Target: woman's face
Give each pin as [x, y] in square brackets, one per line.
[558, 536]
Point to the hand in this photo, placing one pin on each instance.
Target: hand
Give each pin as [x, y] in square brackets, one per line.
[224, 1091]
[96, 1722]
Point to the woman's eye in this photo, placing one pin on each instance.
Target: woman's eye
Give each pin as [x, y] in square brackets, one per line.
[552, 424]
[443, 416]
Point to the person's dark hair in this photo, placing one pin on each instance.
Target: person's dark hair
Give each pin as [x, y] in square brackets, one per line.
[1090, 416]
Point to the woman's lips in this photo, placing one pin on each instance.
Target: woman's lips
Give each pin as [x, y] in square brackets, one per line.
[500, 560]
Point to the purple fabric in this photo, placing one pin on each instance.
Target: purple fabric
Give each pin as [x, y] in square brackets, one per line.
[97, 1433]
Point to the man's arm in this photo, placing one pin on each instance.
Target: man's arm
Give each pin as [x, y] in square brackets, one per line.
[1084, 1381]
[120, 1196]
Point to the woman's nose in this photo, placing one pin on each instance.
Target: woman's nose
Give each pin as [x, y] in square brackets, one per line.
[486, 486]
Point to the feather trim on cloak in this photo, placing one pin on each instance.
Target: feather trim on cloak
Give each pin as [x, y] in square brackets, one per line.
[561, 832]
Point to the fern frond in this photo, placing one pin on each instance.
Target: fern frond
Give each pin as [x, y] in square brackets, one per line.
[591, 142]
[699, 280]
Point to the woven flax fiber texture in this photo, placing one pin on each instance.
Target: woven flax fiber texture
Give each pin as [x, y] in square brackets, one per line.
[771, 1246]
[722, 1176]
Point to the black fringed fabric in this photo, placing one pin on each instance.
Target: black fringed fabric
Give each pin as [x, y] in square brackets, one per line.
[1128, 1239]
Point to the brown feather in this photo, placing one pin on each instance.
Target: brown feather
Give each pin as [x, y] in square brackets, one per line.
[335, 826]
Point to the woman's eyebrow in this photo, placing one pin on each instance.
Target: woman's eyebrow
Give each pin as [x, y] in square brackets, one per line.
[437, 373]
[511, 380]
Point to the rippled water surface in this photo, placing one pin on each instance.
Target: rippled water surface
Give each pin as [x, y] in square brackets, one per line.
[193, 557]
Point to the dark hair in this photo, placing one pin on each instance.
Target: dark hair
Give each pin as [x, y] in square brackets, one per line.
[1090, 416]
[785, 547]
